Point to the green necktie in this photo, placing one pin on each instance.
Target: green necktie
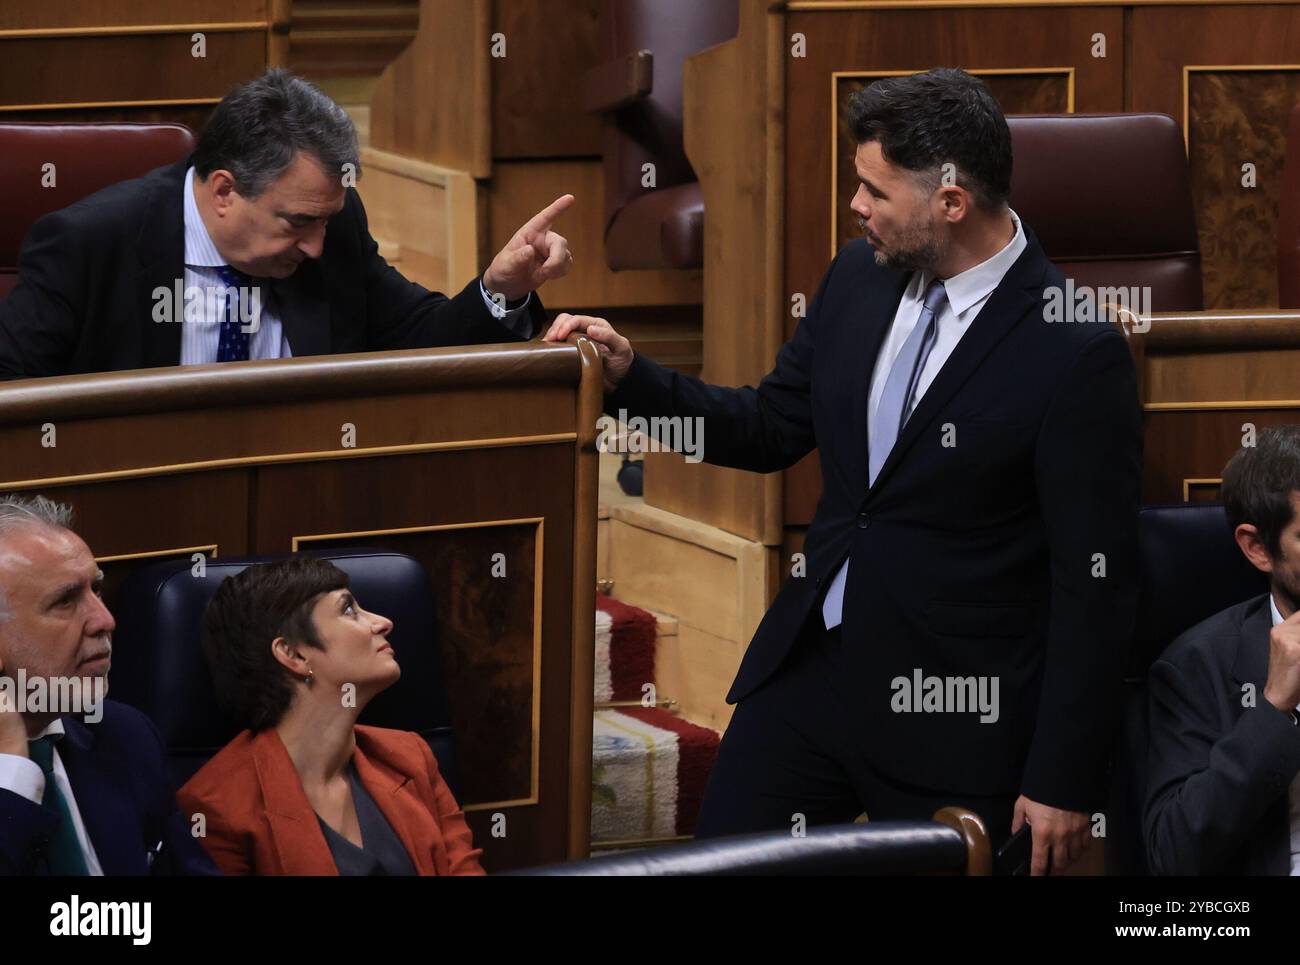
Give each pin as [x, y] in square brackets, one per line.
[65, 854]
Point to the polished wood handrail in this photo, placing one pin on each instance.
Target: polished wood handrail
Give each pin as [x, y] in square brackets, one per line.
[1254, 329]
[979, 852]
[194, 386]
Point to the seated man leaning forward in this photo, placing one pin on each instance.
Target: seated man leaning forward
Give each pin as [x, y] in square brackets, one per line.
[1224, 762]
[305, 790]
[254, 247]
[83, 781]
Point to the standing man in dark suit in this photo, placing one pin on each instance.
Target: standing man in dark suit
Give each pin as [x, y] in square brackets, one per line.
[1224, 755]
[255, 247]
[77, 797]
[961, 632]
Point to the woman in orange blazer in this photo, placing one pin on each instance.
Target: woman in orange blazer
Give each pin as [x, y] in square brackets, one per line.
[305, 790]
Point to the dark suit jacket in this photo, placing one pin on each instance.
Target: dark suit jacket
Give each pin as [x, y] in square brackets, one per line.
[260, 822]
[87, 274]
[118, 774]
[1219, 771]
[971, 559]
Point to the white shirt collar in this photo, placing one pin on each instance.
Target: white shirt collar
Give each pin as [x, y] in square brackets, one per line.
[975, 284]
[200, 252]
[55, 728]
[1272, 607]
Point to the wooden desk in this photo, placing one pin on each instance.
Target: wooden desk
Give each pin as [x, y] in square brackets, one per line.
[1209, 383]
[450, 455]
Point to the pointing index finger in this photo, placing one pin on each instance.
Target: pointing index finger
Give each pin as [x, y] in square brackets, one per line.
[542, 220]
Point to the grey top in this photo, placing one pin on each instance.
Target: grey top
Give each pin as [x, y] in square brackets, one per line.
[381, 851]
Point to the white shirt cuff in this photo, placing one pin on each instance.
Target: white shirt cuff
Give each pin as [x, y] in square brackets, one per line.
[515, 319]
[23, 776]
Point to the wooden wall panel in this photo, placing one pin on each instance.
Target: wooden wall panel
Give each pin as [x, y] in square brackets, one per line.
[92, 14]
[428, 215]
[148, 68]
[358, 39]
[1231, 117]
[537, 87]
[192, 117]
[432, 102]
[207, 512]
[1236, 118]
[102, 60]
[1186, 448]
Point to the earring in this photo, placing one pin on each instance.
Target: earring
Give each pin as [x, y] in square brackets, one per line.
[311, 675]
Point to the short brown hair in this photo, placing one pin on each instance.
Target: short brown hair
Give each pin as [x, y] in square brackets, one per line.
[1258, 482]
[923, 121]
[248, 611]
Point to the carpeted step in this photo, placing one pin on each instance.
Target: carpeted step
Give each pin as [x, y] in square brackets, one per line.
[649, 772]
[650, 766]
[625, 650]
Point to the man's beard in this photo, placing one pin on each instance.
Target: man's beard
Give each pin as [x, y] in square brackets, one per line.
[1286, 589]
[916, 248]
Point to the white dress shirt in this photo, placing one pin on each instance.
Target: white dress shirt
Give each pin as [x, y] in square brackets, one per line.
[200, 336]
[24, 777]
[967, 294]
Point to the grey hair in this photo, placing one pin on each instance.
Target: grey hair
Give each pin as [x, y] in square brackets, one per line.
[19, 511]
[260, 127]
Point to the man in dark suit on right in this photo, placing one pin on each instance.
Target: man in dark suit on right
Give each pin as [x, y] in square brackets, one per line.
[961, 632]
[1224, 759]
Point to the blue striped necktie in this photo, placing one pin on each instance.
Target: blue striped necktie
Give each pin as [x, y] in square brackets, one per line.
[232, 343]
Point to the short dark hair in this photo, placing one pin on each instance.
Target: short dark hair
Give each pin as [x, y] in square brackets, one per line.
[248, 611]
[1258, 482]
[260, 127]
[923, 121]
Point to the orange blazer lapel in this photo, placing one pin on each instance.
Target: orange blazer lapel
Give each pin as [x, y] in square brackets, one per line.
[296, 837]
[393, 791]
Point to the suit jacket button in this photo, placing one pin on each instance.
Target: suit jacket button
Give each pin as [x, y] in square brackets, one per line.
[863, 520]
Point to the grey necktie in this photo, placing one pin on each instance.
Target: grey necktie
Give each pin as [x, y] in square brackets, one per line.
[896, 401]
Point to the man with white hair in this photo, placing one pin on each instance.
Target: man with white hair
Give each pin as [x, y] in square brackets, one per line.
[83, 781]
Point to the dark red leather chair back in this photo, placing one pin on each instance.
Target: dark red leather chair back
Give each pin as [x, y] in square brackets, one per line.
[85, 158]
[660, 226]
[1109, 199]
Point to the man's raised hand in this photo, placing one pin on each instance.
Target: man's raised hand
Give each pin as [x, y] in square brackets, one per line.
[1282, 688]
[535, 254]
